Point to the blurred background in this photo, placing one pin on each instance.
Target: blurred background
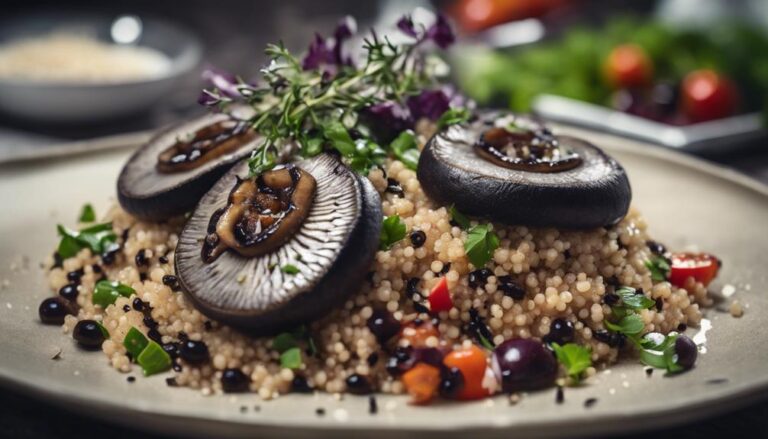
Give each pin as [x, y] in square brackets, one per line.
[683, 74]
[688, 75]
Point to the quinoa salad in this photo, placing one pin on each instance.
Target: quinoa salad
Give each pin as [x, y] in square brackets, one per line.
[356, 226]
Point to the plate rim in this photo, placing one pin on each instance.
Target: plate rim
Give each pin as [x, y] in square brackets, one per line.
[737, 396]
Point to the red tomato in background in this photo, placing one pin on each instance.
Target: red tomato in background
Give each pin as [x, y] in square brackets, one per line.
[703, 267]
[475, 15]
[708, 95]
[628, 66]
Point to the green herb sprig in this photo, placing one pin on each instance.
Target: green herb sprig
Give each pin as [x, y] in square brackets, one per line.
[576, 359]
[392, 230]
[480, 244]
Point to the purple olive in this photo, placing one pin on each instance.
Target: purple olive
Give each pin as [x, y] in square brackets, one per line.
[524, 364]
[686, 352]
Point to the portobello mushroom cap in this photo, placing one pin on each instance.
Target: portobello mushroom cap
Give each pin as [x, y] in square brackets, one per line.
[161, 180]
[591, 192]
[332, 250]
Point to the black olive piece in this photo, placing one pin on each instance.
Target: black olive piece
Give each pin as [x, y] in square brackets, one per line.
[451, 382]
[659, 304]
[446, 268]
[176, 366]
[682, 327]
[343, 201]
[131, 379]
[172, 349]
[88, 334]
[372, 359]
[147, 193]
[420, 308]
[373, 405]
[593, 194]
[510, 287]
[656, 248]
[234, 381]
[74, 276]
[477, 327]
[193, 352]
[208, 325]
[300, 385]
[400, 361]
[561, 331]
[358, 384]
[163, 260]
[143, 276]
[320, 412]
[126, 308]
[96, 268]
[383, 325]
[171, 382]
[589, 402]
[612, 339]
[479, 278]
[686, 352]
[69, 292]
[141, 258]
[560, 395]
[170, 280]
[53, 310]
[154, 335]
[611, 299]
[412, 287]
[418, 238]
[149, 322]
[393, 187]
[138, 304]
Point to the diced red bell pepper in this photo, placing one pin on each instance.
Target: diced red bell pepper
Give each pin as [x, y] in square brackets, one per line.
[440, 297]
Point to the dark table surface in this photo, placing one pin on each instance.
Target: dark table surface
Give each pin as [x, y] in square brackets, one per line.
[234, 40]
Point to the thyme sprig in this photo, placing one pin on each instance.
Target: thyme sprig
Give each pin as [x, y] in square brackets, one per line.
[299, 102]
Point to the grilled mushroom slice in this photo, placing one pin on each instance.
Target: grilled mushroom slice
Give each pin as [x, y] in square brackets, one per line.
[274, 252]
[167, 176]
[514, 170]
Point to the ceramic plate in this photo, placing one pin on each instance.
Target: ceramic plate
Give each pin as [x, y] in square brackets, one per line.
[686, 202]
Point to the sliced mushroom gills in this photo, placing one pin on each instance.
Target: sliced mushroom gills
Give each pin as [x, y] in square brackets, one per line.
[302, 239]
[513, 170]
[261, 213]
[206, 144]
[168, 176]
[533, 150]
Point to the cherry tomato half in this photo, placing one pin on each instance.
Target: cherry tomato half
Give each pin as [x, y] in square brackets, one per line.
[471, 363]
[708, 95]
[628, 66]
[702, 267]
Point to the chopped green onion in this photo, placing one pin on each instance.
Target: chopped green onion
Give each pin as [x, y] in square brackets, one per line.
[98, 238]
[153, 359]
[135, 342]
[392, 230]
[290, 269]
[284, 341]
[291, 359]
[107, 292]
[405, 148]
[453, 116]
[87, 214]
[459, 218]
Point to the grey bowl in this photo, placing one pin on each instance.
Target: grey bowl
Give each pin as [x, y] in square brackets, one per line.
[72, 102]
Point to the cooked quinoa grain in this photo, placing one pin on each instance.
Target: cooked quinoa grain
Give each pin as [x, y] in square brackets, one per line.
[562, 275]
